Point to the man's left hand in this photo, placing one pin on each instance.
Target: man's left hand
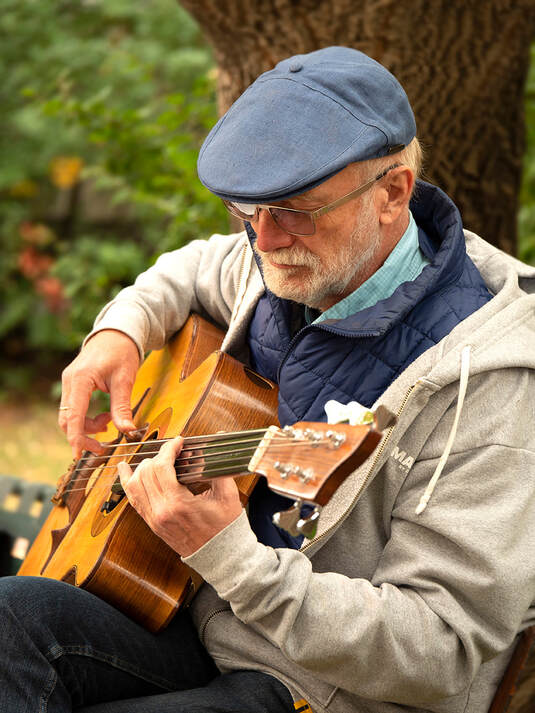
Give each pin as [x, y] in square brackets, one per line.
[183, 520]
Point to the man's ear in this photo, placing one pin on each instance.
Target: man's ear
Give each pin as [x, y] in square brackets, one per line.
[395, 194]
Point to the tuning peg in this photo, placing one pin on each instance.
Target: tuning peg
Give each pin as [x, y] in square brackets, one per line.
[288, 519]
[308, 526]
[291, 521]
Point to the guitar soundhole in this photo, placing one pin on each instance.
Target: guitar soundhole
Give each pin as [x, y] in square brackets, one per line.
[114, 499]
[117, 494]
[257, 379]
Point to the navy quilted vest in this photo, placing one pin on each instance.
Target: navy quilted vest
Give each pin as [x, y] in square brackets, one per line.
[358, 357]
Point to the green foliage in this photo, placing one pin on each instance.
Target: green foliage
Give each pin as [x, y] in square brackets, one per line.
[106, 104]
[526, 215]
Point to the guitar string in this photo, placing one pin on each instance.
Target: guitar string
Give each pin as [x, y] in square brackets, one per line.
[185, 447]
[186, 460]
[205, 452]
[209, 437]
[205, 449]
[204, 474]
[196, 478]
[187, 478]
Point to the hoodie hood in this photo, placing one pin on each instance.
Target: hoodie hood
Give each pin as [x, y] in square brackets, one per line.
[502, 332]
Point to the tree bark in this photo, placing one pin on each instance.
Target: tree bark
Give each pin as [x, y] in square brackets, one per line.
[463, 64]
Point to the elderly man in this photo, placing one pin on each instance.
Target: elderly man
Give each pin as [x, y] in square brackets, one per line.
[350, 282]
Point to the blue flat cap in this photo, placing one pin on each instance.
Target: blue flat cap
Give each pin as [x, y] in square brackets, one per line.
[302, 122]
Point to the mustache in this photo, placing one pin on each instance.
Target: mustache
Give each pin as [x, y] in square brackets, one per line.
[290, 256]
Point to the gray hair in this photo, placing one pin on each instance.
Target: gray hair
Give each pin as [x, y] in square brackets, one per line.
[411, 156]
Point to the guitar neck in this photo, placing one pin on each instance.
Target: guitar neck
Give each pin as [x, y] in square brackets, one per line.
[204, 458]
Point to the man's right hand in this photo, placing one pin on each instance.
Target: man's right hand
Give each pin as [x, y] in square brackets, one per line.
[108, 362]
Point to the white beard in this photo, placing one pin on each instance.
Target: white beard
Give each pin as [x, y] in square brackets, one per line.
[327, 278]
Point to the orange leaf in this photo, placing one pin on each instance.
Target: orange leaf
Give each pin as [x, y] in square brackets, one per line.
[65, 171]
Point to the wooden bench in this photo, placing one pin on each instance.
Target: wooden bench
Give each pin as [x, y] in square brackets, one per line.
[24, 507]
[516, 692]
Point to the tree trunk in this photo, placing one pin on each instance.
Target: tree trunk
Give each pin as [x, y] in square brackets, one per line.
[463, 64]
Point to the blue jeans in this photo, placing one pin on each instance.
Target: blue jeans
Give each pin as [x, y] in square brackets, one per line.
[63, 649]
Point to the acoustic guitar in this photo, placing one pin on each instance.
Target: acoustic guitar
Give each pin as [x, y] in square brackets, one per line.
[226, 413]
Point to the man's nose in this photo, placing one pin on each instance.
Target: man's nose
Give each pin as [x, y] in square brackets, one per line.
[268, 234]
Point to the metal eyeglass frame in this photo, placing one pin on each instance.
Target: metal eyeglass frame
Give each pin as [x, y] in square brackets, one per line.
[312, 214]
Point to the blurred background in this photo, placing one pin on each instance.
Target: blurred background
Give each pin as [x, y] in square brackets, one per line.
[104, 107]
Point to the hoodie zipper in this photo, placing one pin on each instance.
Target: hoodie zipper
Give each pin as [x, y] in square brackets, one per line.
[242, 266]
[241, 286]
[368, 474]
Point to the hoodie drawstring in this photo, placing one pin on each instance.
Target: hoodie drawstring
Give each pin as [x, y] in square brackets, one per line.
[463, 383]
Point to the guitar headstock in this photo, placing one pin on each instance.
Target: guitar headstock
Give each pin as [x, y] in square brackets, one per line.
[308, 461]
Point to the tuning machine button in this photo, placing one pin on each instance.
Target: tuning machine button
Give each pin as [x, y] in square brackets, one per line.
[308, 526]
[336, 439]
[315, 437]
[287, 469]
[291, 521]
[288, 519]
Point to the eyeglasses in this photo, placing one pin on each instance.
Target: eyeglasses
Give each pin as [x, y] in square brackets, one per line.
[297, 222]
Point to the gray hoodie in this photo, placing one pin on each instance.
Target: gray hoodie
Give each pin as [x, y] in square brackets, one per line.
[386, 609]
